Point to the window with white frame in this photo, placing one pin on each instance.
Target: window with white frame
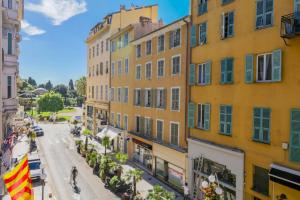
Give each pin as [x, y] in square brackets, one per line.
[119, 67]
[159, 130]
[97, 92]
[125, 100]
[175, 65]
[101, 92]
[112, 94]
[174, 133]
[112, 70]
[160, 68]
[175, 38]
[119, 94]
[125, 122]
[203, 116]
[137, 97]
[138, 72]
[138, 124]
[148, 47]
[148, 70]
[138, 50]
[106, 92]
[148, 97]
[118, 124]
[227, 25]
[148, 126]
[126, 62]
[175, 97]
[126, 39]
[160, 98]
[112, 119]
[161, 43]
[264, 67]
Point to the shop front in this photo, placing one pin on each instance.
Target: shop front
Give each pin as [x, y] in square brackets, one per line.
[142, 154]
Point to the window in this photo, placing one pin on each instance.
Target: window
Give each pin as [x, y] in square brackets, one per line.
[119, 67]
[112, 94]
[125, 122]
[107, 45]
[101, 92]
[126, 62]
[90, 53]
[148, 47]
[102, 46]
[137, 97]
[97, 51]
[112, 69]
[225, 119]
[106, 92]
[202, 33]
[264, 67]
[174, 134]
[261, 129]
[226, 1]
[9, 4]
[9, 43]
[113, 46]
[264, 13]
[93, 92]
[202, 7]
[227, 71]
[148, 97]
[148, 126]
[204, 73]
[119, 94]
[106, 66]
[138, 72]
[159, 130]
[126, 39]
[203, 119]
[261, 180]
[125, 98]
[295, 136]
[176, 65]
[227, 25]
[161, 43]
[112, 119]
[120, 45]
[160, 68]
[9, 87]
[101, 68]
[175, 96]
[138, 51]
[97, 70]
[139, 121]
[118, 124]
[160, 98]
[175, 38]
[93, 52]
[148, 70]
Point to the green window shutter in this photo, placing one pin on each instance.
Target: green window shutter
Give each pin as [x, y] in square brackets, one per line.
[276, 70]
[257, 123]
[222, 119]
[191, 115]
[229, 70]
[207, 73]
[192, 74]
[193, 36]
[9, 43]
[207, 116]
[228, 120]
[249, 68]
[223, 71]
[261, 124]
[294, 153]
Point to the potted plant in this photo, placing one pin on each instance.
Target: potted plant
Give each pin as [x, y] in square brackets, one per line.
[104, 167]
[159, 193]
[122, 159]
[114, 181]
[86, 132]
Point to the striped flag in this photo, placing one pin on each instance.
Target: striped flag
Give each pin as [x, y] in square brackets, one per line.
[18, 181]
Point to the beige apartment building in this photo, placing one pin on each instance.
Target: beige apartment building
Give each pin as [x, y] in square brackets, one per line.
[97, 106]
[10, 23]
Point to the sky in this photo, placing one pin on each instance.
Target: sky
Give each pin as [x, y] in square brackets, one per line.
[54, 31]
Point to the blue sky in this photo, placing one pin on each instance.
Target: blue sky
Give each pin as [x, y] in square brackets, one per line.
[54, 31]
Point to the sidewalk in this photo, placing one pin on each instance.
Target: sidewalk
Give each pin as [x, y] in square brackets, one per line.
[148, 180]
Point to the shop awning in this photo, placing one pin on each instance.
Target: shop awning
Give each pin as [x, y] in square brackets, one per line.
[112, 133]
[285, 176]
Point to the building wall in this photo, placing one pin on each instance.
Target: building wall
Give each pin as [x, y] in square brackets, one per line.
[280, 96]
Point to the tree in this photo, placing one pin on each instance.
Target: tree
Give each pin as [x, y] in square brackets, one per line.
[31, 81]
[134, 175]
[42, 86]
[159, 193]
[50, 102]
[61, 89]
[105, 143]
[86, 132]
[71, 85]
[81, 86]
[48, 86]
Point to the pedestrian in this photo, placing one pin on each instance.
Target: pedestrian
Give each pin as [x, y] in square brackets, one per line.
[186, 191]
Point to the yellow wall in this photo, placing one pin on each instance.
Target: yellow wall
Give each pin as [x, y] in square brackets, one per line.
[280, 97]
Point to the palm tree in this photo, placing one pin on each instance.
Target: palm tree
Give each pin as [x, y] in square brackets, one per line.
[122, 159]
[135, 175]
[86, 132]
[105, 143]
[159, 193]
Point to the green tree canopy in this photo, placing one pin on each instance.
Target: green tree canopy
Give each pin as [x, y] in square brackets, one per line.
[71, 85]
[61, 89]
[50, 102]
[48, 86]
[159, 193]
[81, 86]
[31, 81]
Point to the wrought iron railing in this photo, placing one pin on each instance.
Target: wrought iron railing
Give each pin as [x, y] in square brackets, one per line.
[290, 25]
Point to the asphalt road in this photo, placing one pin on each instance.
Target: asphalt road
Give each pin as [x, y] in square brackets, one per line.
[57, 148]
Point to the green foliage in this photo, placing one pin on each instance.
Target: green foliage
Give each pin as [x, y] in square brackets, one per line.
[87, 132]
[50, 102]
[61, 89]
[105, 143]
[122, 158]
[135, 176]
[48, 86]
[114, 181]
[81, 86]
[159, 193]
[71, 85]
[31, 81]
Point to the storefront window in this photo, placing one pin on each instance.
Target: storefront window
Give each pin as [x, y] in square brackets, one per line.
[160, 168]
[175, 176]
[143, 156]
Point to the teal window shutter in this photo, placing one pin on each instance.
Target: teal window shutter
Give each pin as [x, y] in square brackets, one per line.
[191, 115]
[225, 119]
[261, 124]
[223, 71]
[207, 78]
[192, 74]
[277, 61]
[193, 36]
[294, 153]
[9, 43]
[229, 70]
[249, 68]
[207, 116]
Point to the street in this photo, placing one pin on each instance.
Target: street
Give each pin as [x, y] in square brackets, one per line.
[57, 150]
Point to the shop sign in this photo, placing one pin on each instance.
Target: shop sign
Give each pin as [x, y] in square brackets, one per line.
[147, 146]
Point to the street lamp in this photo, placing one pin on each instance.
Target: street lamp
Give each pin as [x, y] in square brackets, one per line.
[43, 178]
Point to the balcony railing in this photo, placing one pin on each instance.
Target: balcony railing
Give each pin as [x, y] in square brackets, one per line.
[290, 25]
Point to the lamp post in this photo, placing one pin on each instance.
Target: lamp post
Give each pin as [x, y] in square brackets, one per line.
[43, 178]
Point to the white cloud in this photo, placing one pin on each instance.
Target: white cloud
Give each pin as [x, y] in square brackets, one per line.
[58, 10]
[30, 29]
[25, 38]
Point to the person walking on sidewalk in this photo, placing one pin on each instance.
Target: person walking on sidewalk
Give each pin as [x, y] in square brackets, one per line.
[186, 192]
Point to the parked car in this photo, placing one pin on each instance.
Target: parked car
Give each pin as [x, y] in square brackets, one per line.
[34, 163]
[38, 130]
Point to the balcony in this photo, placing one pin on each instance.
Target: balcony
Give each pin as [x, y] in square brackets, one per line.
[290, 25]
[10, 105]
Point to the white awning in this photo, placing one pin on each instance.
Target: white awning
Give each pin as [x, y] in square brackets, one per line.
[112, 133]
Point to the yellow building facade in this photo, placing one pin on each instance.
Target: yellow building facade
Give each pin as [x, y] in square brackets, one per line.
[97, 106]
[243, 110]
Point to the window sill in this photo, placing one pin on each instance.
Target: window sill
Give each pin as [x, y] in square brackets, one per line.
[175, 110]
[227, 37]
[202, 129]
[226, 3]
[227, 83]
[260, 141]
[226, 134]
[202, 84]
[263, 27]
[266, 81]
[201, 14]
